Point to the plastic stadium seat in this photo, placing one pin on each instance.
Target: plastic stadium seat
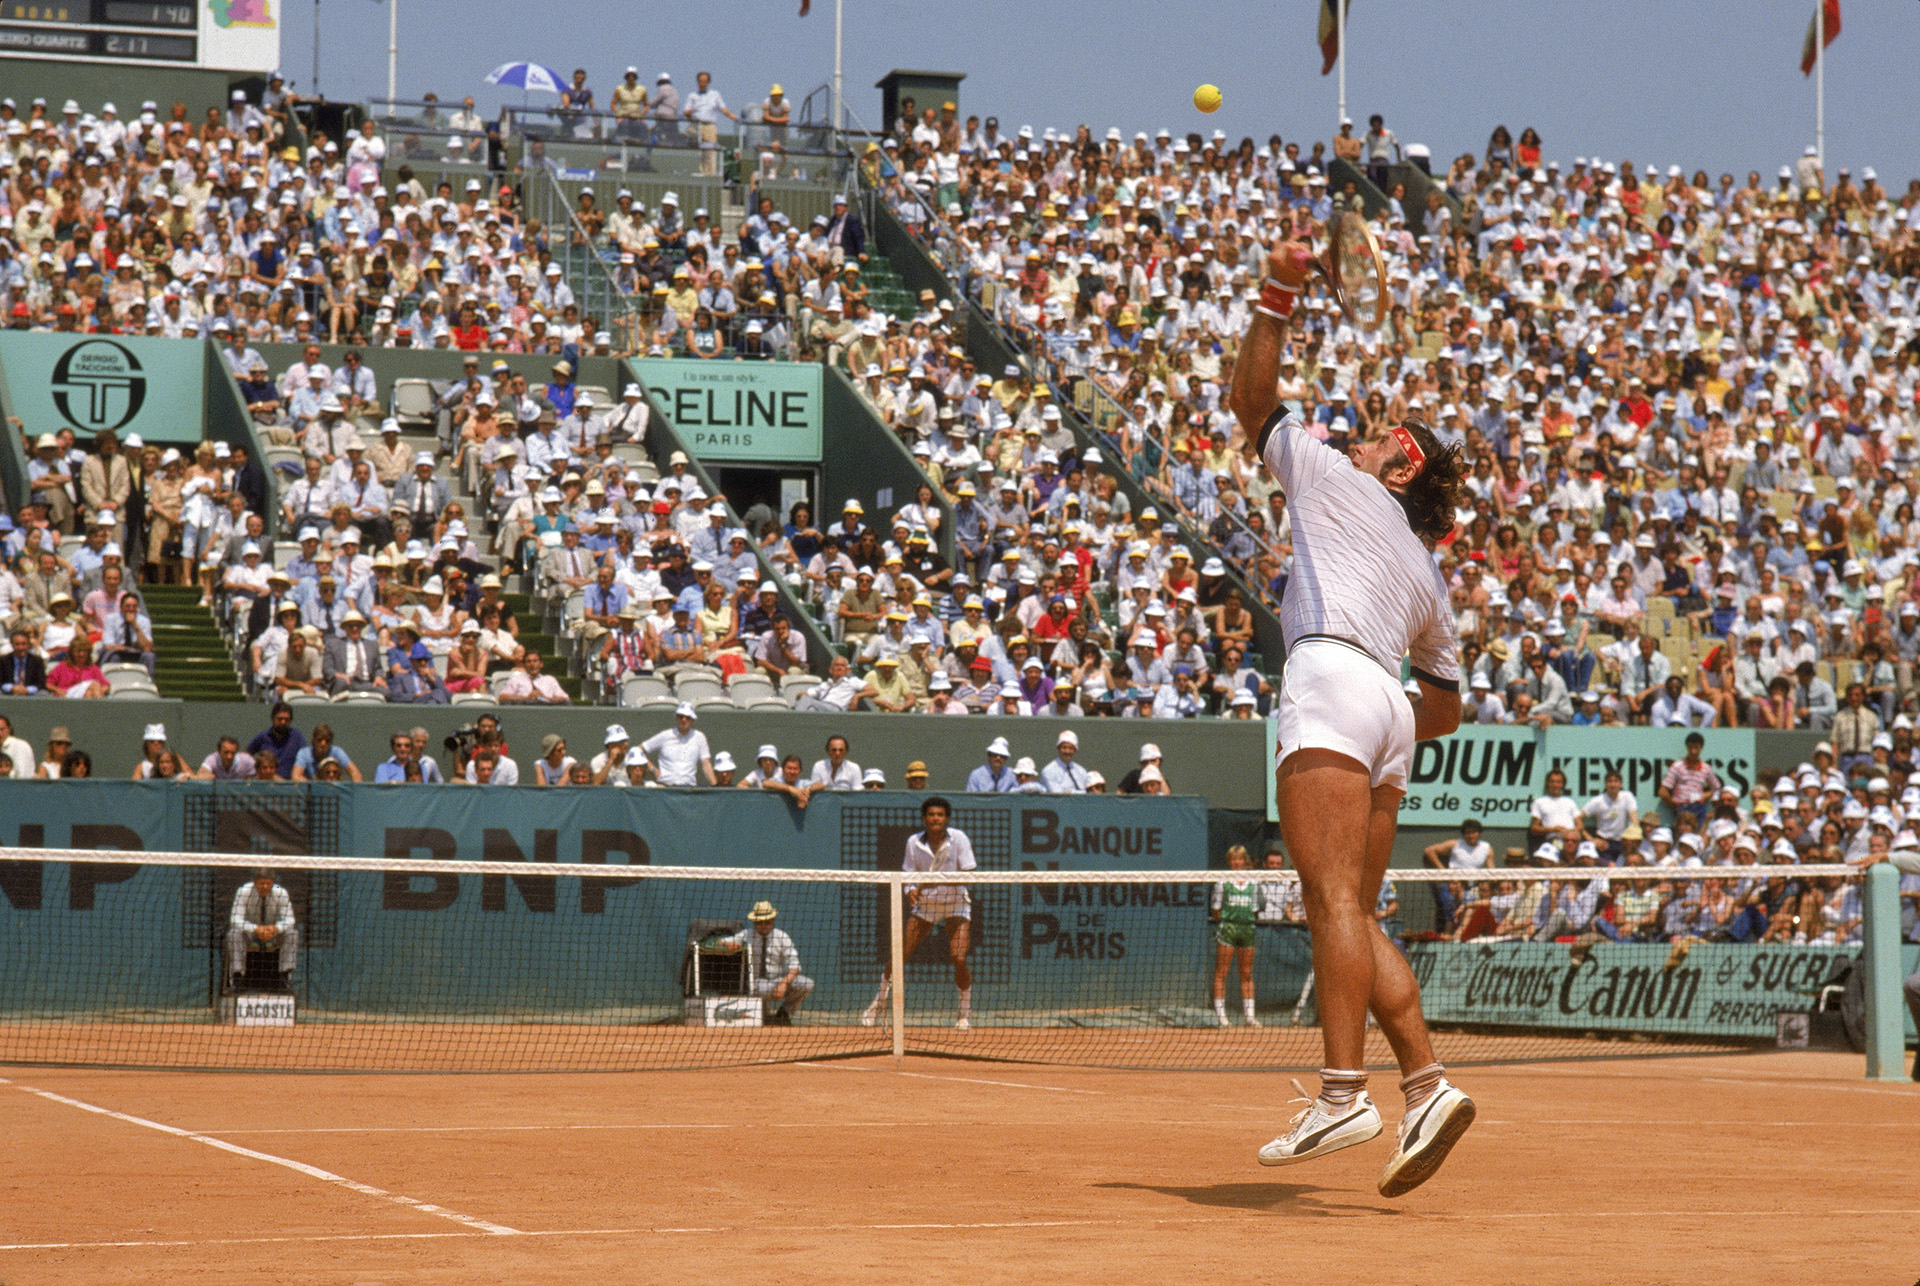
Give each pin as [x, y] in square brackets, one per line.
[745, 689]
[474, 699]
[770, 703]
[130, 680]
[309, 699]
[792, 685]
[358, 699]
[601, 396]
[414, 402]
[636, 688]
[700, 690]
[285, 459]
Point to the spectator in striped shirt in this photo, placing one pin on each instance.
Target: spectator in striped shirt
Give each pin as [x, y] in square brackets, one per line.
[1691, 784]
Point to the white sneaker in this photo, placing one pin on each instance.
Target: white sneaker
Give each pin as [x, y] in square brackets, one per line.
[1318, 1130]
[1426, 1136]
[965, 1024]
[1252, 1021]
[872, 1017]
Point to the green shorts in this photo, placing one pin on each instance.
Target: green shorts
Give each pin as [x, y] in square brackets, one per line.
[1233, 933]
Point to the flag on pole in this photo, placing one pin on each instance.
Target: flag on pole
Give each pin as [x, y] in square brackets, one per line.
[1330, 33]
[1807, 52]
[804, 6]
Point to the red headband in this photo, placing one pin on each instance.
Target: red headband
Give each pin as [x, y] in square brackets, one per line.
[1415, 456]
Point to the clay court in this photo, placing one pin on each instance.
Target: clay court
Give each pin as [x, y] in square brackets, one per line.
[1756, 1166]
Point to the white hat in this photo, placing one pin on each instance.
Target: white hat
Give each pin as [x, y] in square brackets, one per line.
[723, 762]
[685, 710]
[616, 733]
[872, 777]
[768, 751]
[1024, 767]
[154, 732]
[1068, 738]
[999, 746]
[1148, 751]
[635, 757]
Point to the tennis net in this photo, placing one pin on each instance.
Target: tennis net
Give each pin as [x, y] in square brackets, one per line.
[157, 960]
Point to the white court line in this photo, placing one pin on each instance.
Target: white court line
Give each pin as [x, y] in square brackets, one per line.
[755, 1125]
[1018, 1085]
[299, 1167]
[1556, 1216]
[1812, 1083]
[610, 1232]
[1690, 1123]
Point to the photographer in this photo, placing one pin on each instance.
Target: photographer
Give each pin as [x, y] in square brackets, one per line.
[483, 734]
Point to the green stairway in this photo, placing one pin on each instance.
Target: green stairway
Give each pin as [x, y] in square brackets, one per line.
[191, 658]
[534, 639]
[886, 292]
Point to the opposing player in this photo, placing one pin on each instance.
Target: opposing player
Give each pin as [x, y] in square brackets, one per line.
[1236, 907]
[936, 847]
[1364, 593]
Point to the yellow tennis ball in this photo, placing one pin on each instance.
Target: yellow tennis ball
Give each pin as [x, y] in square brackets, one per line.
[1207, 98]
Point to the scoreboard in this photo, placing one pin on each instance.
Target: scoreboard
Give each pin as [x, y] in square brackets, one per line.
[214, 33]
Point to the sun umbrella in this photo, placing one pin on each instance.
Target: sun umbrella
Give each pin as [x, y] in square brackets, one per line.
[527, 76]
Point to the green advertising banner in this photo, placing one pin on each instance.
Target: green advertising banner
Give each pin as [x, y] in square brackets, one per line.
[1483, 770]
[740, 410]
[1642, 756]
[1720, 989]
[91, 383]
[1494, 772]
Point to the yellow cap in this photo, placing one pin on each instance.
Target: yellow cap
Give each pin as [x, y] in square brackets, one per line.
[776, 90]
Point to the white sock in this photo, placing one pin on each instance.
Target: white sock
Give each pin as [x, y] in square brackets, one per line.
[1220, 1010]
[1246, 1007]
[1339, 1087]
[966, 1001]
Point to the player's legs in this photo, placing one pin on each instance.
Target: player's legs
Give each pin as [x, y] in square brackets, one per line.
[1326, 814]
[959, 942]
[911, 933]
[1437, 1113]
[1327, 817]
[1395, 998]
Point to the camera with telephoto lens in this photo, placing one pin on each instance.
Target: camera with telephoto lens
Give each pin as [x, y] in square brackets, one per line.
[462, 741]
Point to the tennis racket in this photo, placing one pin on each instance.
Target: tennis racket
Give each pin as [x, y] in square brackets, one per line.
[1355, 270]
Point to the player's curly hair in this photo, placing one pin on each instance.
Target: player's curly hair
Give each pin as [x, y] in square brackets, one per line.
[1435, 492]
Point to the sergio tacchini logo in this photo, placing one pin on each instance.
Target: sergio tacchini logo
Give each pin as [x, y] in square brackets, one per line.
[98, 385]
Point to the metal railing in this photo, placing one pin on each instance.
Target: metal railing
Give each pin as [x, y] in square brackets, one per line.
[562, 125]
[584, 264]
[1103, 414]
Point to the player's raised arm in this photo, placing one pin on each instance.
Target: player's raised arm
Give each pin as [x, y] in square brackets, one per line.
[1256, 372]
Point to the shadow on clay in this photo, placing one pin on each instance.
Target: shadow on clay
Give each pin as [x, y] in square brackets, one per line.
[1295, 1198]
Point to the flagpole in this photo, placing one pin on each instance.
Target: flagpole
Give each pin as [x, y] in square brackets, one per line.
[393, 51]
[1820, 83]
[837, 15]
[1340, 37]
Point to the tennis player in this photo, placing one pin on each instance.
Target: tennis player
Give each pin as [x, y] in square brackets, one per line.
[1236, 907]
[1364, 593]
[936, 847]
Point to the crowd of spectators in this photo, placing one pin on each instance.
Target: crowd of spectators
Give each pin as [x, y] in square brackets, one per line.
[1689, 402]
[479, 754]
[1833, 809]
[1689, 406]
[154, 223]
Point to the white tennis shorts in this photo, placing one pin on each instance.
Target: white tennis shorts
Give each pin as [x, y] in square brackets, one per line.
[1336, 697]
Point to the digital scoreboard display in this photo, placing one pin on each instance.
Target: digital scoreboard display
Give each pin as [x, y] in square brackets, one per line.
[151, 30]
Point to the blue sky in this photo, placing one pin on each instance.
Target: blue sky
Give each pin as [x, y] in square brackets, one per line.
[1713, 83]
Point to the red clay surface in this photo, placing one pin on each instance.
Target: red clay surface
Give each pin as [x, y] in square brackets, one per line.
[1771, 1167]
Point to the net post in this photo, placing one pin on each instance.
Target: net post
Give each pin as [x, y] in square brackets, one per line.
[897, 952]
[1880, 954]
